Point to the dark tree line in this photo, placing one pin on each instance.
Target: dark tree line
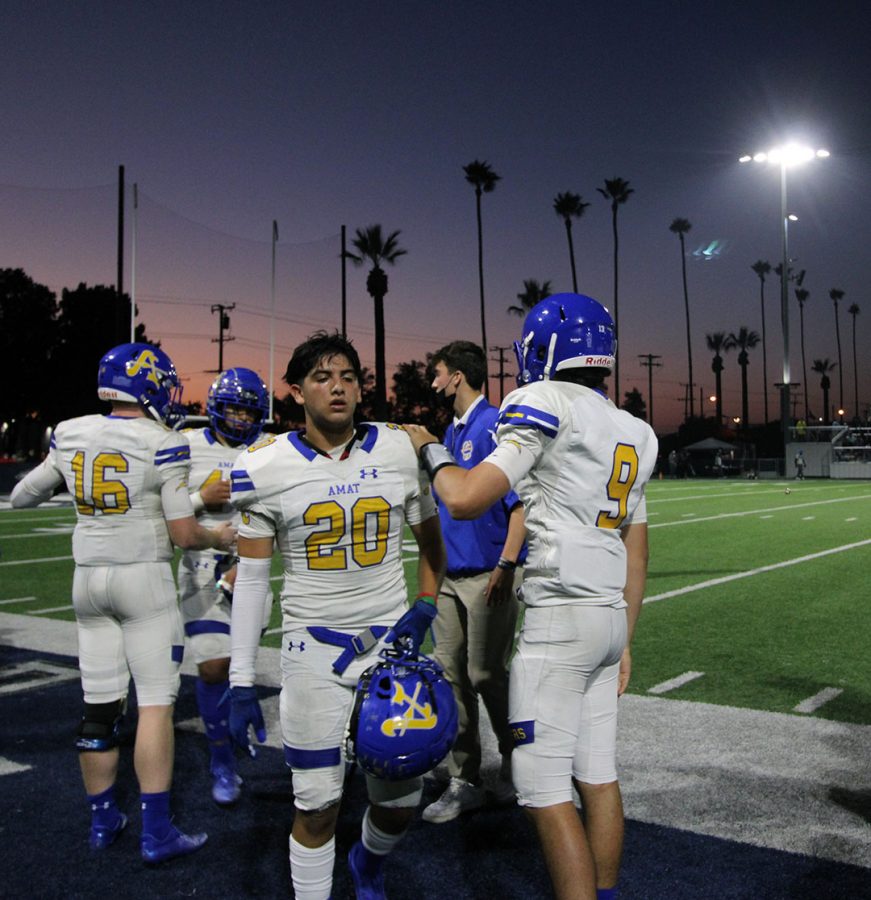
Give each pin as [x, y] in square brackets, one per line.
[49, 352]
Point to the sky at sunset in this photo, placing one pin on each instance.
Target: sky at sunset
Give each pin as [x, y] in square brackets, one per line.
[228, 116]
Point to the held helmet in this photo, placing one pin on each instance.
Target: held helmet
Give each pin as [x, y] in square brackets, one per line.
[241, 388]
[565, 331]
[143, 374]
[404, 720]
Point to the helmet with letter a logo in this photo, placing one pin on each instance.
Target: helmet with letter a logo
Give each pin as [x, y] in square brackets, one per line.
[233, 391]
[404, 719]
[143, 374]
[565, 331]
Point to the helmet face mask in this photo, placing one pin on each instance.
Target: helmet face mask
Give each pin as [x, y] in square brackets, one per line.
[234, 391]
[404, 720]
[142, 374]
[565, 331]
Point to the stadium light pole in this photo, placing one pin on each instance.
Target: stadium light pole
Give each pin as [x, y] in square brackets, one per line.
[787, 156]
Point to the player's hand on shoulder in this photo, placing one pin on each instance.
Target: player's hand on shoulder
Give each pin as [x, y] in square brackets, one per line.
[215, 494]
[419, 436]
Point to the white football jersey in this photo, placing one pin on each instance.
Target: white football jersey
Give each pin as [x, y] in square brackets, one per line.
[586, 464]
[210, 461]
[339, 522]
[115, 468]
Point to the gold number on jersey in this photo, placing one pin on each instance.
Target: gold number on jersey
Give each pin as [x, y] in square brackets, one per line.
[370, 523]
[105, 496]
[624, 471]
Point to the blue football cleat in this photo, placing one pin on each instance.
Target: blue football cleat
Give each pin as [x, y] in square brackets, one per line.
[176, 843]
[103, 836]
[226, 787]
[367, 870]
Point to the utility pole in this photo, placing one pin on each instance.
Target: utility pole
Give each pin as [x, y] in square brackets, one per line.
[223, 325]
[119, 281]
[686, 399]
[650, 365]
[502, 373]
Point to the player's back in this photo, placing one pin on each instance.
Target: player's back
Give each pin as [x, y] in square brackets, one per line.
[115, 467]
[593, 463]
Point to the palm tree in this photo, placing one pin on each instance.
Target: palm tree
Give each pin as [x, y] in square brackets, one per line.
[371, 245]
[568, 206]
[743, 341]
[680, 227]
[616, 190]
[854, 311]
[480, 174]
[836, 295]
[531, 294]
[801, 295]
[823, 367]
[762, 268]
[716, 343]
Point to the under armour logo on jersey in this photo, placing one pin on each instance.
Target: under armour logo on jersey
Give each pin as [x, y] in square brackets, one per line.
[415, 714]
[369, 473]
[300, 646]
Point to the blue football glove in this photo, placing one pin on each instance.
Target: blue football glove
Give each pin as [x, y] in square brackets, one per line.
[245, 712]
[410, 631]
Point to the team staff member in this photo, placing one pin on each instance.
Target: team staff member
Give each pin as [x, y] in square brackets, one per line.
[336, 497]
[474, 631]
[128, 474]
[579, 465]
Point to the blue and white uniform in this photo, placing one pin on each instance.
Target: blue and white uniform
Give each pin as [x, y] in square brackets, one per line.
[338, 519]
[579, 465]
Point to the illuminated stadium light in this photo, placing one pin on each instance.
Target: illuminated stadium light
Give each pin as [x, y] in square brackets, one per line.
[786, 156]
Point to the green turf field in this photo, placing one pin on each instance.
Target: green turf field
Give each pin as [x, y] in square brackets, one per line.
[756, 598]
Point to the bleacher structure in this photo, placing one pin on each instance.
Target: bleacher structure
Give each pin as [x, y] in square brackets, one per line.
[834, 451]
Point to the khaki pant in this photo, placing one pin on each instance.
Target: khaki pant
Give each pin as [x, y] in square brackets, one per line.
[474, 643]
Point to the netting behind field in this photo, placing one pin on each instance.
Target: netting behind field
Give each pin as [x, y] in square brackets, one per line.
[177, 270]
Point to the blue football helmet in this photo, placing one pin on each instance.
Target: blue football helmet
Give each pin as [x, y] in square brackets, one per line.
[565, 331]
[404, 719]
[143, 374]
[242, 388]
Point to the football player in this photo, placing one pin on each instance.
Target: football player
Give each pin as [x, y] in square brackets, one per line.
[237, 406]
[336, 497]
[128, 475]
[579, 465]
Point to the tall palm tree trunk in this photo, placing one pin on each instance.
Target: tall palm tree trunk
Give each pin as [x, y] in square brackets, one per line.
[616, 397]
[765, 354]
[484, 344]
[572, 255]
[745, 405]
[840, 363]
[686, 303]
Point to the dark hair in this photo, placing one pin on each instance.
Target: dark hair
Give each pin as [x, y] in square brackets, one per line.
[465, 357]
[592, 377]
[316, 347]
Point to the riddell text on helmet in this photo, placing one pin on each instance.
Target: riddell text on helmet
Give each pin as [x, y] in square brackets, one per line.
[598, 361]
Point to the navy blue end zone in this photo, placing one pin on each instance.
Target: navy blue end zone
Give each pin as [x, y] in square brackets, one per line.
[491, 854]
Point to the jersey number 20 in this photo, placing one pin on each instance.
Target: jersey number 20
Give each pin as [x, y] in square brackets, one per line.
[368, 548]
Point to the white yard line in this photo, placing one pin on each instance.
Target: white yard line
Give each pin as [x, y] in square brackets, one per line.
[812, 704]
[17, 600]
[679, 681]
[757, 512]
[781, 565]
[61, 531]
[34, 562]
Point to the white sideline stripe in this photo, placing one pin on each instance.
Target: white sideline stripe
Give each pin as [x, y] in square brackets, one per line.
[769, 516]
[773, 488]
[756, 512]
[42, 673]
[812, 704]
[17, 600]
[7, 767]
[852, 519]
[672, 683]
[67, 607]
[273, 630]
[781, 565]
[34, 562]
[61, 531]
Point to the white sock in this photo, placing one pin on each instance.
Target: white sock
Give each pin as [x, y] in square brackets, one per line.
[375, 840]
[311, 870]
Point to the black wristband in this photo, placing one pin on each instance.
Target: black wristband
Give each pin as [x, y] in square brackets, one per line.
[435, 456]
[508, 564]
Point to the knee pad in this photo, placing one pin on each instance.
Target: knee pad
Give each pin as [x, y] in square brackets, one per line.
[100, 726]
[395, 794]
